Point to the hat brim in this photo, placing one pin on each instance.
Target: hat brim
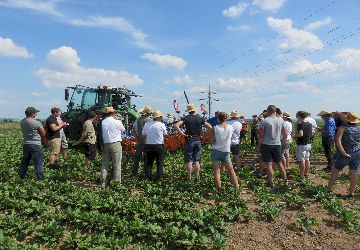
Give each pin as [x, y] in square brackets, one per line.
[191, 110]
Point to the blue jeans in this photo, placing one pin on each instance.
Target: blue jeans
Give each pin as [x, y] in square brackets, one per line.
[36, 153]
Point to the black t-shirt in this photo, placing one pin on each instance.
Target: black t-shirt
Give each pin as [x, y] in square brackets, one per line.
[193, 124]
[306, 127]
[51, 134]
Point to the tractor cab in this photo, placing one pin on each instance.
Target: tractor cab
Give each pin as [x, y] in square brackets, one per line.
[84, 98]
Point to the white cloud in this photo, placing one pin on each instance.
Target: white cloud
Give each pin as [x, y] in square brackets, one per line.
[182, 79]
[10, 49]
[63, 69]
[305, 66]
[47, 7]
[269, 5]
[166, 60]
[239, 28]
[38, 94]
[294, 38]
[349, 57]
[318, 24]
[233, 82]
[236, 10]
[304, 86]
[117, 23]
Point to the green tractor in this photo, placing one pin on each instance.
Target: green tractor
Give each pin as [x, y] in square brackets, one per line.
[85, 98]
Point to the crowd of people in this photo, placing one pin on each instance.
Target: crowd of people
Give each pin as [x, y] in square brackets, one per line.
[271, 133]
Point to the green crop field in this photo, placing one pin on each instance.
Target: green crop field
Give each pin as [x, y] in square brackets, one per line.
[70, 211]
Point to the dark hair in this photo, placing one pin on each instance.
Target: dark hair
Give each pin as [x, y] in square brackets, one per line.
[271, 109]
[91, 114]
[192, 112]
[302, 114]
[54, 110]
[222, 116]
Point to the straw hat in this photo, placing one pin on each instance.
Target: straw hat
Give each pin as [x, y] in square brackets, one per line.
[109, 110]
[287, 115]
[234, 114]
[352, 117]
[322, 113]
[169, 115]
[190, 108]
[156, 114]
[145, 110]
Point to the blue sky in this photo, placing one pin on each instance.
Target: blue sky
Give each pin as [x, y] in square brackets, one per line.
[298, 55]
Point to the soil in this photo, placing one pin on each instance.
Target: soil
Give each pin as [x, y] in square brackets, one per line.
[283, 232]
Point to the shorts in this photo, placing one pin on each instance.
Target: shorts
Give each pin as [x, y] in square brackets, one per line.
[90, 151]
[235, 149]
[353, 161]
[270, 153]
[303, 152]
[55, 146]
[219, 156]
[285, 148]
[192, 151]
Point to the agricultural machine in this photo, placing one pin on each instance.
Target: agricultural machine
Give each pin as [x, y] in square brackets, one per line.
[85, 98]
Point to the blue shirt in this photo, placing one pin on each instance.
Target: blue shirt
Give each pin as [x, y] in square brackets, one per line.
[329, 127]
[213, 121]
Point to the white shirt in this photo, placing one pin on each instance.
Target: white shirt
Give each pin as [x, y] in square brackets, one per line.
[312, 122]
[111, 130]
[154, 132]
[236, 133]
[288, 127]
[223, 138]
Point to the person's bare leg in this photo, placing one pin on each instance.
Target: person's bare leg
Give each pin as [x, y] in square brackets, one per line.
[237, 161]
[307, 167]
[233, 177]
[270, 173]
[287, 158]
[197, 170]
[217, 180]
[332, 179]
[302, 167]
[52, 159]
[189, 169]
[282, 171]
[353, 180]
[283, 161]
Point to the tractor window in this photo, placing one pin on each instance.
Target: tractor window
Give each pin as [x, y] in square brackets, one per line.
[104, 99]
[76, 98]
[89, 98]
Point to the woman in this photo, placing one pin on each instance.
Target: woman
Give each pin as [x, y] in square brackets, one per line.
[348, 143]
[303, 143]
[220, 153]
[285, 146]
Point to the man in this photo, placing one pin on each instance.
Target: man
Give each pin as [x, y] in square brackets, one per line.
[303, 142]
[88, 137]
[145, 116]
[154, 132]
[112, 152]
[235, 138]
[244, 125]
[285, 146]
[53, 128]
[312, 121]
[271, 131]
[64, 143]
[32, 132]
[327, 137]
[213, 121]
[254, 125]
[278, 112]
[192, 148]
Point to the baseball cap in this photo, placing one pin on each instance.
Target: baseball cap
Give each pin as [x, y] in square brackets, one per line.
[31, 110]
